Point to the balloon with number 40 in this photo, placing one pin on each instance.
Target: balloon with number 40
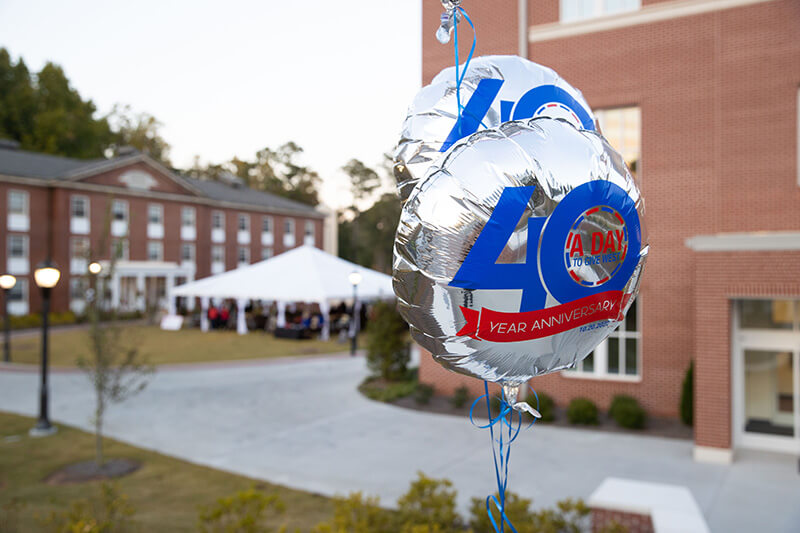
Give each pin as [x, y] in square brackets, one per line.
[520, 250]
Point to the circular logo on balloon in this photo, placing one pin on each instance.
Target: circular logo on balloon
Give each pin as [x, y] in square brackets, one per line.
[596, 245]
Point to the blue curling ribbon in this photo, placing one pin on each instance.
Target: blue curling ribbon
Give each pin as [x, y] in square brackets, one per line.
[460, 78]
[508, 432]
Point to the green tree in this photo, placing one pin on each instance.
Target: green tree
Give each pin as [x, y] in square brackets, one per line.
[139, 130]
[17, 100]
[363, 180]
[374, 247]
[387, 343]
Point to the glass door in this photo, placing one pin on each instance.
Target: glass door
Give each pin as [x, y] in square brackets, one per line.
[767, 381]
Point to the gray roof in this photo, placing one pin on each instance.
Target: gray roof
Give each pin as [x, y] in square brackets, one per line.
[20, 163]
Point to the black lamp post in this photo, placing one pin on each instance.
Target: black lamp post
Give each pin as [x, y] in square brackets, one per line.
[46, 276]
[355, 279]
[7, 282]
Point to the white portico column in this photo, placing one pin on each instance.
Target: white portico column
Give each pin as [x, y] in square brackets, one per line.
[140, 292]
[204, 313]
[325, 309]
[190, 301]
[281, 315]
[172, 306]
[115, 292]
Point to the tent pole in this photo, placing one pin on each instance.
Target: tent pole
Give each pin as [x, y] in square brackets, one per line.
[204, 313]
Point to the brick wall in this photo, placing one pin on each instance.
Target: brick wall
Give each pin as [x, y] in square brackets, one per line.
[632, 522]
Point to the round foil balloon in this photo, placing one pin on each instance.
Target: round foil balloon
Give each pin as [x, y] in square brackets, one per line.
[521, 251]
[495, 89]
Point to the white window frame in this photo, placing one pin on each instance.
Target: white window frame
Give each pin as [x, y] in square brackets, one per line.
[151, 245]
[188, 223]
[119, 228]
[267, 253]
[310, 237]
[192, 255]
[243, 234]
[289, 229]
[217, 264]
[155, 229]
[597, 8]
[600, 367]
[267, 231]
[18, 265]
[79, 263]
[124, 249]
[18, 221]
[79, 224]
[239, 260]
[218, 233]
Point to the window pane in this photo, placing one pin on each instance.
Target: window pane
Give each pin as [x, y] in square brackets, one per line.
[244, 222]
[266, 225]
[630, 318]
[17, 292]
[588, 363]
[266, 253]
[187, 216]
[766, 314]
[289, 226]
[17, 202]
[613, 355]
[631, 361]
[154, 214]
[79, 207]
[218, 254]
[119, 210]
[16, 246]
[769, 392]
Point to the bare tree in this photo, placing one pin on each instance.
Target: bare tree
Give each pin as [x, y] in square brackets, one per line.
[115, 366]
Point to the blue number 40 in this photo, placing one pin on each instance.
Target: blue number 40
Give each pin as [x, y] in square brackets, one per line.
[480, 269]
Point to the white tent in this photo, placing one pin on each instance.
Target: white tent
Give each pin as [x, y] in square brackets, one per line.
[304, 274]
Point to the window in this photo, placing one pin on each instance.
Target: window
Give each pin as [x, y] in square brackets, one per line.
[244, 255]
[244, 222]
[266, 225]
[622, 128]
[155, 251]
[288, 227]
[18, 246]
[79, 207]
[218, 254]
[78, 287]
[187, 253]
[19, 292]
[18, 203]
[309, 228]
[119, 211]
[266, 253]
[187, 217]
[617, 356]
[155, 214]
[79, 248]
[119, 249]
[574, 10]
[217, 220]
[769, 314]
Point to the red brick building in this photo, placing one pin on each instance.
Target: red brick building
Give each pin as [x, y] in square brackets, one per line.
[703, 96]
[165, 229]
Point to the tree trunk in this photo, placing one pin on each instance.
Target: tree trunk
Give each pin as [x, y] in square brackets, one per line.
[98, 433]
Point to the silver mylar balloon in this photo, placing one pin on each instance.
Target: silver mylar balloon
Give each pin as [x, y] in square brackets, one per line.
[520, 251]
[494, 90]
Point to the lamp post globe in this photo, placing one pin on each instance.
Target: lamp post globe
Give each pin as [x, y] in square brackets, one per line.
[46, 276]
[7, 282]
[95, 268]
[355, 278]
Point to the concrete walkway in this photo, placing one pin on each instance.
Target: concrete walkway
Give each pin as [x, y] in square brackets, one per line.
[301, 423]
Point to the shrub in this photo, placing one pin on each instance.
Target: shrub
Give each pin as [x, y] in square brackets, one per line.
[547, 407]
[687, 397]
[388, 351]
[357, 514]
[569, 516]
[111, 513]
[423, 394]
[582, 411]
[429, 502]
[460, 397]
[517, 511]
[627, 412]
[377, 389]
[245, 511]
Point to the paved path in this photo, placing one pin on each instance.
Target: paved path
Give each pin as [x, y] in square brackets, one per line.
[301, 423]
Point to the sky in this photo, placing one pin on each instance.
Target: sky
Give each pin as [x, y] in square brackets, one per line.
[229, 78]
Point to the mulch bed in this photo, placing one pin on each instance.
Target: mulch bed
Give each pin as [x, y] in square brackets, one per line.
[656, 427]
[89, 471]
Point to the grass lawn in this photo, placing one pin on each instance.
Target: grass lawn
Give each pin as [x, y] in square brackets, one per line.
[164, 347]
[164, 492]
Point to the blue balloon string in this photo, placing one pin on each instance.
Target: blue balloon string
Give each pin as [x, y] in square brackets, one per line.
[460, 78]
[502, 454]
